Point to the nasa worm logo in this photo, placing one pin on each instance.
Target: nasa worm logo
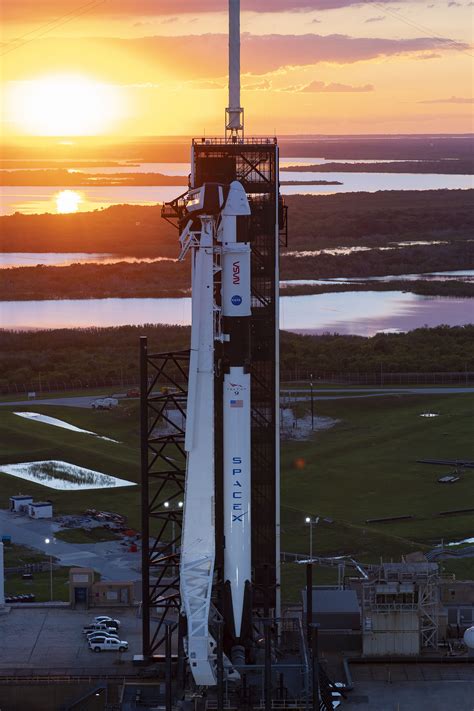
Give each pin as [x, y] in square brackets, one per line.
[236, 300]
[236, 273]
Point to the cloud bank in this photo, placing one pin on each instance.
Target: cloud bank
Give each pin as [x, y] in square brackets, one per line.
[53, 9]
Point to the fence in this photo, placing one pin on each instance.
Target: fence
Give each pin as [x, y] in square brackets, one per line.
[381, 378]
[44, 385]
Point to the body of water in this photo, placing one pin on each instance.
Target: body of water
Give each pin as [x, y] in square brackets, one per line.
[360, 313]
[40, 199]
[466, 275]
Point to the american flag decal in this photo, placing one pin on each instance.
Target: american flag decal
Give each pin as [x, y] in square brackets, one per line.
[236, 403]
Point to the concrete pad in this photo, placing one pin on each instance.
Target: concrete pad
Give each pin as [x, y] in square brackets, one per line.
[413, 696]
[42, 639]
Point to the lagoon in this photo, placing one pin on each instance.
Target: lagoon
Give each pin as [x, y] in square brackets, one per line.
[361, 313]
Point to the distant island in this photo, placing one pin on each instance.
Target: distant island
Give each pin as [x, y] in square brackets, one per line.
[310, 182]
[445, 166]
[74, 178]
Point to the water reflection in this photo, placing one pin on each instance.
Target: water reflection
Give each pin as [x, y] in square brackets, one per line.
[41, 199]
[360, 312]
[68, 201]
[63, 476]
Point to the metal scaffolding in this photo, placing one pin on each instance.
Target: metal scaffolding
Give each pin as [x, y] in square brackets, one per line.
[163, 379]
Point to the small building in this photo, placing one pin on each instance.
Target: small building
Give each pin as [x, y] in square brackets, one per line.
[339, 616]
[40, 509]
[400, 609]
[20, 503]
[106, 593]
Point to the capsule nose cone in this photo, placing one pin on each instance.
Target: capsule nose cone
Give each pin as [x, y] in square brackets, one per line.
[237, 203]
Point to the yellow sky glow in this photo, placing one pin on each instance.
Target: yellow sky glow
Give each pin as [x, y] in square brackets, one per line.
[379, 68]
[63, 105]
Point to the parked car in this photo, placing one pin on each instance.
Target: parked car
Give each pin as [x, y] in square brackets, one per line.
[109, 645]
[103, 633]
[95, 627]
[100, 637]
[105, 618]
[134, 392]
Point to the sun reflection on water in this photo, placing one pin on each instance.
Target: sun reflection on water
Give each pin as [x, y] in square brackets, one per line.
[67, 201]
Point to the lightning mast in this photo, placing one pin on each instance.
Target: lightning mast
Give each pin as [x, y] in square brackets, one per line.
[234, 124]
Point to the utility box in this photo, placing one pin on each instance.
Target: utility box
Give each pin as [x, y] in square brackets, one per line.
[40, 509]
[20, 503]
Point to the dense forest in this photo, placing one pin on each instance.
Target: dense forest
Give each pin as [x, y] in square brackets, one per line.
[90, 356]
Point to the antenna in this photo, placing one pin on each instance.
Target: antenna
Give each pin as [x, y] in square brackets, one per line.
[234, 114]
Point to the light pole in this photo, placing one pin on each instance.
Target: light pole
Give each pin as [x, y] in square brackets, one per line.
[312, 403]
[311, 522]
[48, 541]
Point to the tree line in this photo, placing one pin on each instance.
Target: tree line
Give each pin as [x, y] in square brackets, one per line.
[101, 354]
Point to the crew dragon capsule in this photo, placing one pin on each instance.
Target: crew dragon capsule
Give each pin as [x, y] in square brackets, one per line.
[215, 230]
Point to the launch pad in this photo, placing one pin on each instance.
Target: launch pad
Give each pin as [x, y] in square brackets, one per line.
[211, 433]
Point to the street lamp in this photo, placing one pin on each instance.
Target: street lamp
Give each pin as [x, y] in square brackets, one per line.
[312, 402]
[311, 522]
[48, 541]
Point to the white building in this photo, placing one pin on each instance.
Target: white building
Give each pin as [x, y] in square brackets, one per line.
[20, 503]
[40, 509]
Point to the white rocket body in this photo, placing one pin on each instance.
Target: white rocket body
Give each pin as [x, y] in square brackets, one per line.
[218, 222]
[236, 312]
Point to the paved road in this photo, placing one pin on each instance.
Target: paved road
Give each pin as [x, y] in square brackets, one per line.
[318, 393]
[110, 558]
[83, 401]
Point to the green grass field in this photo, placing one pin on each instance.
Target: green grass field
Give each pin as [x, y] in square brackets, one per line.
[364, 467]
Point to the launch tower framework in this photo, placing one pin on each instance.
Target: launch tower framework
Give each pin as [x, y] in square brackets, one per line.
[254, 163]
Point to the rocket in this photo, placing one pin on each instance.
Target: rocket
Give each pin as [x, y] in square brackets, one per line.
[236, 313]
[214, 228]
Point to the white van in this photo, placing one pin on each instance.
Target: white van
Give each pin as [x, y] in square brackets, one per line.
[105, 403]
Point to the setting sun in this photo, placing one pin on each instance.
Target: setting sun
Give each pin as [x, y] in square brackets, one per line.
[67, 201]
[63, 105]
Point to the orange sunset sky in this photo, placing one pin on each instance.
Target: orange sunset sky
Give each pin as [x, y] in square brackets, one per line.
[159, 67]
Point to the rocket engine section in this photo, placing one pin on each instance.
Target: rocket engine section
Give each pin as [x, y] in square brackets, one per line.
[215, 229]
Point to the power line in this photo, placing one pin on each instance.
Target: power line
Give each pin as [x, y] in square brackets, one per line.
[55, 24]
[422, 28]
[51, 22]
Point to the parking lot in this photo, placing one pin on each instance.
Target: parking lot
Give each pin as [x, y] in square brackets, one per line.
[51, 639]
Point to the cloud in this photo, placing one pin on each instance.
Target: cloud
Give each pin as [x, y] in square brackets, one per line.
[258, 86]
[320, 86]
[429, 55]
[35, 10]
[206, 85]
[450, 100]
[378, 18]
[205, 56]
[454, 4]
